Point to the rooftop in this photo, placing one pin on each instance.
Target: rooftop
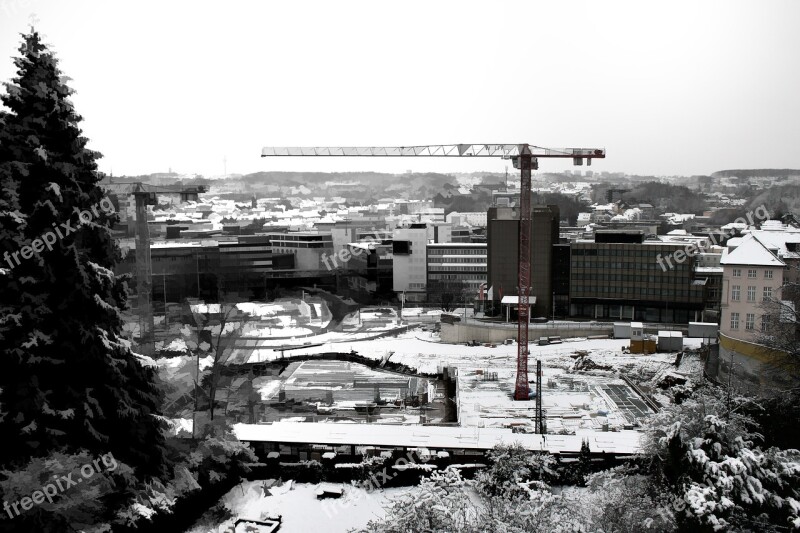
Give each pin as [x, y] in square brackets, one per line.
[752, 252]
[622, 442]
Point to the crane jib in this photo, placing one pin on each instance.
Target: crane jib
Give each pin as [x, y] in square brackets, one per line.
[505, 151]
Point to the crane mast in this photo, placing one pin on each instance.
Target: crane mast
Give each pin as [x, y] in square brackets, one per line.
[525, 158]
[144, 196]
[526, 163]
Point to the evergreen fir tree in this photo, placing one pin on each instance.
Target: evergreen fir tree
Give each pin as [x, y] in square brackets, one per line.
[68, 380]
[584, 461]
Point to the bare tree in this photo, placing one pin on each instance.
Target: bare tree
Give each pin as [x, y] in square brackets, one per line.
[449, 294]
[780, 327]
[215, 330]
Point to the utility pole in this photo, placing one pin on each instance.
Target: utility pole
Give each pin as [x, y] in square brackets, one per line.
[539, 424]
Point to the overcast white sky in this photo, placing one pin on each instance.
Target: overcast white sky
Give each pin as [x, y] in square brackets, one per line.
[672, 87]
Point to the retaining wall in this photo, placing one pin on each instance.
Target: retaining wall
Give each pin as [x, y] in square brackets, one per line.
[497, 333]
[750, 368]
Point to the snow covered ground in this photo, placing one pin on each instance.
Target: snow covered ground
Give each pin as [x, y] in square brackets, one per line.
[577, 401]
[300, 509]
[423, 351]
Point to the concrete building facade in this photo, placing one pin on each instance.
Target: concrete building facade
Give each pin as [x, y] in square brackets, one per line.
[502, 237]
[409, 251]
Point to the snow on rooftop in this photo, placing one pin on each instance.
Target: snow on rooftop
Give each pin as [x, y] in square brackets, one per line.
[622, 442]
[751, 252]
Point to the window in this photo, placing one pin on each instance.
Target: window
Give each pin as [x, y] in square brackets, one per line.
[751, 293]
[736, 291]
[768, 274]
[750, 321]
[751, 273]
[734, 320]
[737, 272]
[767, 293]
[764, 323]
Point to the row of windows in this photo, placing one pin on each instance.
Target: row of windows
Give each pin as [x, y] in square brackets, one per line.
[294, 245]
[302, 238]
[236, 249]
[450, 277]
[451, 259]
[736, 293]
[434, 268]
[628, 265]
[749, 321]
[640, 291]
[580, 276]
[624, 252]
[457, 251]
[752, 273]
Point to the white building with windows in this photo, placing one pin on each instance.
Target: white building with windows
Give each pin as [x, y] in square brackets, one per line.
[409, 248]
[754, 271]
[751, 274]
[457, 265]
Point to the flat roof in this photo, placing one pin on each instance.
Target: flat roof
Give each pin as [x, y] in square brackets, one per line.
[386, 435]
[514, 300]
[458, 244]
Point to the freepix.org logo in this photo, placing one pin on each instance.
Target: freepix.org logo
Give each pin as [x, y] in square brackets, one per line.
[60, 485]
[344, 255]
[59, 231]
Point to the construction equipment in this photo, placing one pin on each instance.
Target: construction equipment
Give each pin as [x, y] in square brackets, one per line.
[144, 271]
[145, 195]
[525, 158]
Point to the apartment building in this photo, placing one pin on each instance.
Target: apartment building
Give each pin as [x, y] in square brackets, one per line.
[756, 268]
[751, 276]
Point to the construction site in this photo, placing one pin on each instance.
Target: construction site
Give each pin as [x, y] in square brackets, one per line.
[275, 366]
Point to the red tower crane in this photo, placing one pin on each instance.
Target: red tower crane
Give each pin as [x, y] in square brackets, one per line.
[525, 158]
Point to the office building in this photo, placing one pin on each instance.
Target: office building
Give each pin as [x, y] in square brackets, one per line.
[456, 266]
[620, 275]
[502, 236]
